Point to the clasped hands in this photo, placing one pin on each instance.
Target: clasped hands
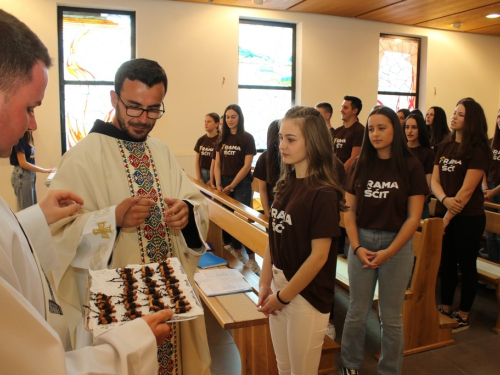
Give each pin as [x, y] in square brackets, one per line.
[453, 205]
[372, 259]
[268, 303]
[133, 211]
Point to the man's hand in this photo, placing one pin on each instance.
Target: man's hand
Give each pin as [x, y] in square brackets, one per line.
[157, 323]
[177, 215]
[58, 204]
[133, 211]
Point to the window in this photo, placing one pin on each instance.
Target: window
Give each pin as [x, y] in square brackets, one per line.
[93, 43]
[266, 75]
[398, 74]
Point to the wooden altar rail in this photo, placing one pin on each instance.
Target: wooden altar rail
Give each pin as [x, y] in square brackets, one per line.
[488, 272]
[238, 311]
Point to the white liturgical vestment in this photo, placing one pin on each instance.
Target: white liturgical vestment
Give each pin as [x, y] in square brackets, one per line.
[105, 168]
[29, 344]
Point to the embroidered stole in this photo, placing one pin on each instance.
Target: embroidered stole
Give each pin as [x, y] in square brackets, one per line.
[154, 240]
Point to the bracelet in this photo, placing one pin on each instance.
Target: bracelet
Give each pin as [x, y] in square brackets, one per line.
[356, 249]
[279, 299]
[442, 200]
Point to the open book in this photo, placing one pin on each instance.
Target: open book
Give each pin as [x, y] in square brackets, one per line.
[221, 281]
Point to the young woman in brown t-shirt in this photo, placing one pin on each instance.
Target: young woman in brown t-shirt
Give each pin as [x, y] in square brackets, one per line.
[298, 274]
[385, 195]
[459, 167]
[233, 160]
[267, 169]
[438, 125]
[418, 142]
[204, 148]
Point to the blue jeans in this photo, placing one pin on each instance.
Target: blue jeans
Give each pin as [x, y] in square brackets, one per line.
[243, 194]
[23, 182]
[205, 174]
[392, 280]
[493, 239]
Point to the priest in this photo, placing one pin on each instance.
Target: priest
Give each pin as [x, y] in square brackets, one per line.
[140, 207]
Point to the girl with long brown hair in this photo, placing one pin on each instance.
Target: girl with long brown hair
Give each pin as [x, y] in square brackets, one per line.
[385, 195]
[298, 276]
[459, 167]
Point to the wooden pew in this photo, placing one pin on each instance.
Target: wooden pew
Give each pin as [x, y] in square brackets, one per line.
[488, 272]
[424, 327]
[238, 311]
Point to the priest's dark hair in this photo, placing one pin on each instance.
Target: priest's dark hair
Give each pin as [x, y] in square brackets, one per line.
[146, 71]
[20, 50]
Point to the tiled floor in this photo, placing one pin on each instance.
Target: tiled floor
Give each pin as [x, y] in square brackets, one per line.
[476, 351]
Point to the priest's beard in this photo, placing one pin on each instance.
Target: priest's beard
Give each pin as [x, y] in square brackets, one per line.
[134, 123]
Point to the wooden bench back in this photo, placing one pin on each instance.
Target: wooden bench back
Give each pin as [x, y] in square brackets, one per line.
[242, 222]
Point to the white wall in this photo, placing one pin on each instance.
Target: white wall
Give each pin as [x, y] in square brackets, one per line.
[197, 44]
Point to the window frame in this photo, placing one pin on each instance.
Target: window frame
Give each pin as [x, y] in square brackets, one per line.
[62, 82]
[419, 56]
[292, 87]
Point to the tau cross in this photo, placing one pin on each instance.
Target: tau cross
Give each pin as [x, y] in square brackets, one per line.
[102, 230]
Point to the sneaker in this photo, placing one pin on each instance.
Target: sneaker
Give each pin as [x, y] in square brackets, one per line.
[490, 287]
[349, 371]
[444, 312]
[254, 267]
[463, 324]
[330, 331]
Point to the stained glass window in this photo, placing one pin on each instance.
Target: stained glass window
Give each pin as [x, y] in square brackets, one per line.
[266, 72]
[398, 75]
[93, 43]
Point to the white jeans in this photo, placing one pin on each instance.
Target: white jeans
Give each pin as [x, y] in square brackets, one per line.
[297, 333]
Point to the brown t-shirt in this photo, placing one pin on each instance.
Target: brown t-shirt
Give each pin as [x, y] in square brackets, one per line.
[232, 153]
[382, 202]
[425, 156]
[344, 139]
[339, 167]
[452, 171]
[494, 171]
[302, 214]
[205, 147]
[260, 172]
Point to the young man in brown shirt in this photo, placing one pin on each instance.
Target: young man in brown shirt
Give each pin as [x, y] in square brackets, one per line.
[349, 137]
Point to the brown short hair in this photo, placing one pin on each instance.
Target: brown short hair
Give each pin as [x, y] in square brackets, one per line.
[20, 50]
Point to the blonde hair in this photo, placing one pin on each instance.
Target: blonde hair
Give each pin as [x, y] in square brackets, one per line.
[319, 147]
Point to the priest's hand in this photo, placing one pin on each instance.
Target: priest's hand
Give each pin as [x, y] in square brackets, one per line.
[58, 204]
[177, 215]
[157, 323]
[133, 211]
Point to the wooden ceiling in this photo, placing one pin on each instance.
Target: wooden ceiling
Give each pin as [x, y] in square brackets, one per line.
[457, 15]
